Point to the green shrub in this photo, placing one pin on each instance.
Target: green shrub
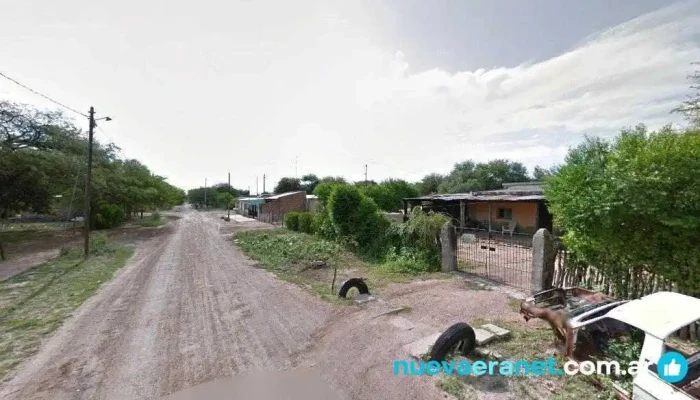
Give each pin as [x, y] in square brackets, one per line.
[323, 226]
[291, 221]
[108, 215]
[306, 223]
[356, 219]
[420, 235]
[408, 260]
[100, 244]
[324, 191]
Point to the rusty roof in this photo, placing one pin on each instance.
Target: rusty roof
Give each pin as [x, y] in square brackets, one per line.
[520, 191]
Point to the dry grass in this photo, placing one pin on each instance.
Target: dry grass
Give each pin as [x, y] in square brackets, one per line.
[36, 302]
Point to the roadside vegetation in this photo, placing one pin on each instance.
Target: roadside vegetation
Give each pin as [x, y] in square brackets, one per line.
[638, 192]
[290, 255]
[42, 169]
[36, 302]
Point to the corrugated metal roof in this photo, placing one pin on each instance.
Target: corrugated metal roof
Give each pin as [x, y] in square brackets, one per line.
[522, 191]
[479, 197]
[277, 196]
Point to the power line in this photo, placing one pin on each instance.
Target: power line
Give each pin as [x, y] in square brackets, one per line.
[44, 96]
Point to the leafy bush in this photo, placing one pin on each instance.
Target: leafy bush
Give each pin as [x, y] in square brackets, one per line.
[108, 215]
[291, 221]
[409, 260]
[100, 244]
[420, 235]
[306, 223]
[356, 219]
[388, 194]
[280, 250]
[323, 226]
[638, 192]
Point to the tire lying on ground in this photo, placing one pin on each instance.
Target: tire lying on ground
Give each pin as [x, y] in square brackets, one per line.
[358, 283]
[458, 339]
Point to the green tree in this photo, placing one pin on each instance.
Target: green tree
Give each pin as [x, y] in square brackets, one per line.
[288, 185]
[334, 179]
[633, 205]
[690, 108]
[309, 183]
[541, 173]
[355, 217]
[388, 194]
[22, 126]
[430, 184]
[42, 157]
[470, 176]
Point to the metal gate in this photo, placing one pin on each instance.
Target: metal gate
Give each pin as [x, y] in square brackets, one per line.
[502, 258]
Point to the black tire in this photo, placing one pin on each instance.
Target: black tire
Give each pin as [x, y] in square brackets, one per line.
[353, 283]
[459, 334]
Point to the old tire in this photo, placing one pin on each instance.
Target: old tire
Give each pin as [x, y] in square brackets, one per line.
[459, 335]
[353, 283]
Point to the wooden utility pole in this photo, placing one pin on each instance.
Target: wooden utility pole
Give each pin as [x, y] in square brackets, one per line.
[264, 183]
[228, 206]
[365, 173]
[205, 194]
[257, 192]
[88, 183]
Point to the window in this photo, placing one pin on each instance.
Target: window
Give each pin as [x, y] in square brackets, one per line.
[505, 213]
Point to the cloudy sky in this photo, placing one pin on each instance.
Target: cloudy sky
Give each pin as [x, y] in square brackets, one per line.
[406, 86]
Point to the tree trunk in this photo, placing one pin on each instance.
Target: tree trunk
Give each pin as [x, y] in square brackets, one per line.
[2, 251]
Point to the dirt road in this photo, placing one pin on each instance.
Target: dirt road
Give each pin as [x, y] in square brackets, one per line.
[187, 309]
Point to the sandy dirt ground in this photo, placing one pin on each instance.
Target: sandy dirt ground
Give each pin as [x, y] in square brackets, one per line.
[358, 346]
[189, 308]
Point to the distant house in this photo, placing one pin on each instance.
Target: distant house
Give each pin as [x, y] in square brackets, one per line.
[249, 206]
[312, 202]
[521, 203]
[274, 208]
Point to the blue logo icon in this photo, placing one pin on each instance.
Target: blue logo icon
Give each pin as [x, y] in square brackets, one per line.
[672, 367]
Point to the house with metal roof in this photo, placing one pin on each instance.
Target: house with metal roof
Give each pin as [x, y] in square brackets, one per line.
[520, 205]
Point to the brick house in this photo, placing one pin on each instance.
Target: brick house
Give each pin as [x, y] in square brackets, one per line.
[276, 207]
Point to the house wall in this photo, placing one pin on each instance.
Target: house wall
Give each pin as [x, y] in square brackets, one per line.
[274, 210]
[312, 204]
[524, 213]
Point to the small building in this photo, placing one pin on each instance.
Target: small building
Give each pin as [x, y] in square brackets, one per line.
[249, 206]
[521, 204]
[274, 208]
[312, 202]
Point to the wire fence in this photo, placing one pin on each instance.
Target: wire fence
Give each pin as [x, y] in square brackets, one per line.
[502, 258]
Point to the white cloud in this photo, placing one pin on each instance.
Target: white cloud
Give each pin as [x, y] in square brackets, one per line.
[248, 90]
[632, 73]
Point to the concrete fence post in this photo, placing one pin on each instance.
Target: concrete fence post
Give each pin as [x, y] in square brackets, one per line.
[448, 243]
[543, 256]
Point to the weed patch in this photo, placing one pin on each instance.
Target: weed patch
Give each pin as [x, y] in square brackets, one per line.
[289, 255]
